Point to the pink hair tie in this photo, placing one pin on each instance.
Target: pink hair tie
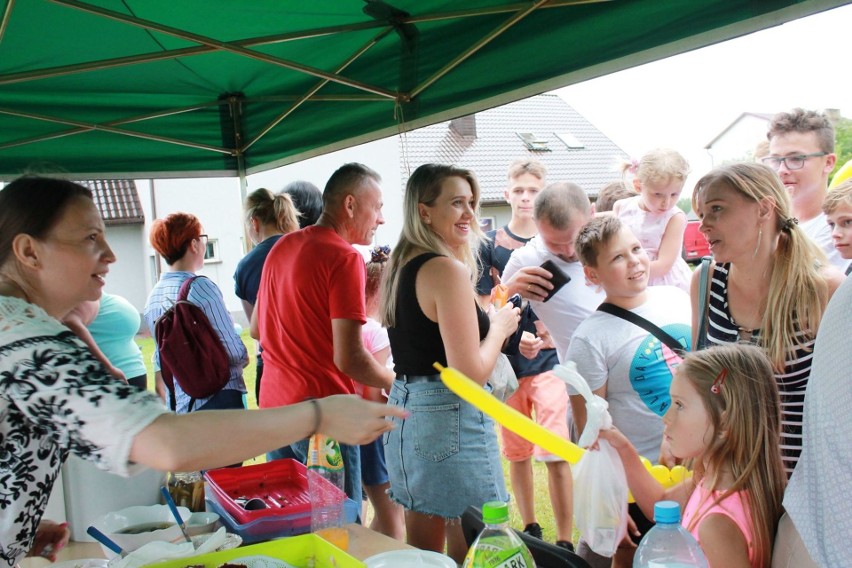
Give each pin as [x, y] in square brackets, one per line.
[634, 165]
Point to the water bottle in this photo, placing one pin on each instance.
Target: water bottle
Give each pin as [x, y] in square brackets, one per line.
[497, 546]
[668, 544]
[326, 488]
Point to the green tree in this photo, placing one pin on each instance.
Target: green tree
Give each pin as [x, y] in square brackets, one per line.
[685, 204]
[843, 143]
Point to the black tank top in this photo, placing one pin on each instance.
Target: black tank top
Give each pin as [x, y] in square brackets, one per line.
[415, 340]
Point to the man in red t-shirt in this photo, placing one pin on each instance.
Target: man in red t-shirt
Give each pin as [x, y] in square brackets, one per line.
[310, 307]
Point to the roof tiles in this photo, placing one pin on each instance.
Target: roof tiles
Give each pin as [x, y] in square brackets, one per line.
[497, 144]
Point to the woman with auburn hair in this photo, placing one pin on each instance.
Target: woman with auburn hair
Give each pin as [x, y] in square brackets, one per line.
[57, 399]
[449, 458]
[268, 218]
[769, 283]
[179, 240]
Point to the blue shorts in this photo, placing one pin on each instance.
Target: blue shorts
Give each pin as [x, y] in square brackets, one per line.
[374, 471]
[444, 457]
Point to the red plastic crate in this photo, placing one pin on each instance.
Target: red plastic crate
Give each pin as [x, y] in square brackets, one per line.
[281, 484]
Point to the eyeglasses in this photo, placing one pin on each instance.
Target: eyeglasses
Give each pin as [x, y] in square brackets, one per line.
[203, 239]
[792, 162]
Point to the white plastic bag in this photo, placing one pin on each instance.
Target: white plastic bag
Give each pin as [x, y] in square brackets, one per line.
[600, 499]
[503, 380]
[600, 486]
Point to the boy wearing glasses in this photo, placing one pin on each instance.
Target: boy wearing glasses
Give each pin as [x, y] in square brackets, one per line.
[801, 150]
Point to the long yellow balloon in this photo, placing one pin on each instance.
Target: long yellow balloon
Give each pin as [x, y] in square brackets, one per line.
[507, 416]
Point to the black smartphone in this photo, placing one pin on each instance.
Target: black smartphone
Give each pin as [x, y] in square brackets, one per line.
[559, 279]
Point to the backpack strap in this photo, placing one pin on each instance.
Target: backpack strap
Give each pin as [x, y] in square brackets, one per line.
[183, 294]
[648, 326]
[703, 303]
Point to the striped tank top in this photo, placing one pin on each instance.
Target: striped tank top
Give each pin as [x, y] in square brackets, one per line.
[791, 382]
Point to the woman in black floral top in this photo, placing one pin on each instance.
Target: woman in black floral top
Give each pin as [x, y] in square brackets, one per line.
[57, 399]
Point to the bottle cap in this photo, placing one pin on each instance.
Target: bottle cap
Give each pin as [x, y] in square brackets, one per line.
[495, 512]
[667, 512]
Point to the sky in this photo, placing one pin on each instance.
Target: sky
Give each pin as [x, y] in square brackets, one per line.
[685, 101]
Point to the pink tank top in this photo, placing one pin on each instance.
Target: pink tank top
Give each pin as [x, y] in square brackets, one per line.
[734, 506]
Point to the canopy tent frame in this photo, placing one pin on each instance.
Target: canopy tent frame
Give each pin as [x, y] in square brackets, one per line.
[405, 99]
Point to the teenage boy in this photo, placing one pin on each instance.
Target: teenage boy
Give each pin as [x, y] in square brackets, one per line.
[623, 362]
[540, 393]
[838, 213]
[801, 150]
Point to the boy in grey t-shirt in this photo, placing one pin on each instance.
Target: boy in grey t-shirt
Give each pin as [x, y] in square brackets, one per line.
[621, 361]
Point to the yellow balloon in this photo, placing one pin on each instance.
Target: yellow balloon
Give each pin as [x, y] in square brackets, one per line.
[662, 474]
[841, 175]
[679, 473]
[508, 417]
[646, 462]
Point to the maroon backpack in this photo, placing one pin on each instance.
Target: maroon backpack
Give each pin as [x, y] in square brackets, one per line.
[191, 351]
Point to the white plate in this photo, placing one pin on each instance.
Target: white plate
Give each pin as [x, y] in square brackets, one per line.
[410, 559]
[260, 561]
[82, 563]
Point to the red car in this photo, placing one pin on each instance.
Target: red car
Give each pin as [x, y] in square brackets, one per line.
[695, 244]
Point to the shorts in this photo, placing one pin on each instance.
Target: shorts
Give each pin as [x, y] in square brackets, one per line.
[374, 471]
[443, 458]
[544, 393]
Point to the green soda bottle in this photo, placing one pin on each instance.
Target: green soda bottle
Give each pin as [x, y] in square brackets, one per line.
[497, 546]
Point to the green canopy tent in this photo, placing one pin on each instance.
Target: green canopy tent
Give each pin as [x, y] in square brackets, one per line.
[178, 88]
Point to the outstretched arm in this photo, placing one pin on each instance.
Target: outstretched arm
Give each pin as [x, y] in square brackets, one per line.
[646, 490]
[204, 440]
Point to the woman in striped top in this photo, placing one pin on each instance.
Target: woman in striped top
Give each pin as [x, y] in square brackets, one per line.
[770, 283]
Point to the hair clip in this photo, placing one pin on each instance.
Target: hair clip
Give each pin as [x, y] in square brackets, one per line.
[380, 253]
[634, 165]
[719, 381]
[787, 225]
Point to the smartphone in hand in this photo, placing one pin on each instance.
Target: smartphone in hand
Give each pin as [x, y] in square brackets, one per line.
[558, 280]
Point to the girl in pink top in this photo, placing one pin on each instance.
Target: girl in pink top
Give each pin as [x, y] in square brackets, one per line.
[724, 420]
[654, 216]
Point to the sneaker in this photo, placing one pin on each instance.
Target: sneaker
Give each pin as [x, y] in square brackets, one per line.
[565, 544]
[533, 529]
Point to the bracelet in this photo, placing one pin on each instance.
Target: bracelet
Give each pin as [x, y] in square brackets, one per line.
[317, 416]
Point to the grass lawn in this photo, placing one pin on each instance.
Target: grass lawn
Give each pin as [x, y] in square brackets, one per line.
[544, 512]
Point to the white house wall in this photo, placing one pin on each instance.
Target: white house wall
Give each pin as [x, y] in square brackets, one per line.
[739, 142]
[216, 202]
[127, 275]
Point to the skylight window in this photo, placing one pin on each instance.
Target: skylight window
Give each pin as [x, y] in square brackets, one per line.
[569, 140]
[534, 142]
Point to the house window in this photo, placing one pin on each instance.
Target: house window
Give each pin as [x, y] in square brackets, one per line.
[570, 140]
[211, 255]
[533, 142]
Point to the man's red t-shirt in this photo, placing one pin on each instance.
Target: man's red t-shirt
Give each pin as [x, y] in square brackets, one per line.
[310, 277]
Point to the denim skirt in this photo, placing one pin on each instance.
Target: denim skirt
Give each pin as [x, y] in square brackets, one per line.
[444, 457]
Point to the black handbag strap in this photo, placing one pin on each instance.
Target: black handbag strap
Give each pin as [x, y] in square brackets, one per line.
[657, 332]
[703, 303]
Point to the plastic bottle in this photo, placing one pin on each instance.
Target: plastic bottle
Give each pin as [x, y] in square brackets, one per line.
[668, 544]
[497, 546]
[326, 487]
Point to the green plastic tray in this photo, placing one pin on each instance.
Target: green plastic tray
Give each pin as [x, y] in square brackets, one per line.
[303, 551]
